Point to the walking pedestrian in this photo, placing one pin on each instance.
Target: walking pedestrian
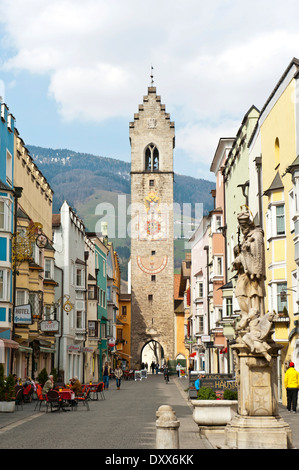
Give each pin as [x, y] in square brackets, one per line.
[291, 382]
[153, 367]
[178, 368]
[166, 373]
[118, 375]
[106, 376]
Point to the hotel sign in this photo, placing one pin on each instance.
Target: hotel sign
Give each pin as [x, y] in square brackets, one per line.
[22, 315]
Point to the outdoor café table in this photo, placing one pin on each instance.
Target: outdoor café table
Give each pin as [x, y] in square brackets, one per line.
[67, 398]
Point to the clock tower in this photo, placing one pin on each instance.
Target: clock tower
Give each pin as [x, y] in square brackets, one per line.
[152, 139]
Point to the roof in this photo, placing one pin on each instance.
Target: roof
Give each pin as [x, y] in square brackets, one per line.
[177, 281]
[293, 166]
[55, 220]
[293, 62]
[5, 187]
[276, 185]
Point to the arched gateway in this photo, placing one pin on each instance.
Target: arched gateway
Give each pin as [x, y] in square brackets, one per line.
[152, 267]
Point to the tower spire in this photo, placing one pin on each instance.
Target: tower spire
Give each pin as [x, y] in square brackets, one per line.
[152, 76]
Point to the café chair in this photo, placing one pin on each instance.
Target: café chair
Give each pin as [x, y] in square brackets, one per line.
[100, 390]
[19, 398]
[53, 400]
[40, 398]
[28, 392]
[83, 399]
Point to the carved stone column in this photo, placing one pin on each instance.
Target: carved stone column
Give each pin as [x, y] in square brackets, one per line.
[257, 424]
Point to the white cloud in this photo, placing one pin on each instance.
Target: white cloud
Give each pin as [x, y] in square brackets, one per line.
[198, 142]
[212, 60]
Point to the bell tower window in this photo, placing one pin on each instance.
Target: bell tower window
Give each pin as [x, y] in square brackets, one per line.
[151, 158]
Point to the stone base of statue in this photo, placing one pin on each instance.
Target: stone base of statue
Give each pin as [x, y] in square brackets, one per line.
[257, 424]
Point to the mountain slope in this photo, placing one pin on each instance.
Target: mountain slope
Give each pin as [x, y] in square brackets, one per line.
[88, 181]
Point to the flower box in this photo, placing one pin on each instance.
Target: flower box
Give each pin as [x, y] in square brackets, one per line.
[214, 412]
[7, 406]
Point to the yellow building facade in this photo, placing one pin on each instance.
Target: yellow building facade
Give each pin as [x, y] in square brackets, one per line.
[123, 329]
[34, 258]
[278, 148]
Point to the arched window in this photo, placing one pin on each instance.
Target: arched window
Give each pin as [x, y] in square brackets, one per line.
[151, 158]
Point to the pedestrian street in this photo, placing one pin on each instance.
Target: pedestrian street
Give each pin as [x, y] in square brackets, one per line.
[125, 419]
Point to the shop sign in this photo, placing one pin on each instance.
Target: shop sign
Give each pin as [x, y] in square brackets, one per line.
[22, 315]
[87, 350]
[74, 348]
[49, 325]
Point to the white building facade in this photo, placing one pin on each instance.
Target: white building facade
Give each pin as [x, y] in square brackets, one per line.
[69, 243]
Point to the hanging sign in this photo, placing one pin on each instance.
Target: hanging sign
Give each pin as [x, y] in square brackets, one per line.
[49, 325]
[22, 315]
[111, 342]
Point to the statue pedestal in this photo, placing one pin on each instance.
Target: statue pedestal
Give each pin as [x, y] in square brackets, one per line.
[257, 424]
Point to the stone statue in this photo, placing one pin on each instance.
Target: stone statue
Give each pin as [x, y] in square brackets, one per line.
[259, 332]
[255, 328]
[250, 264]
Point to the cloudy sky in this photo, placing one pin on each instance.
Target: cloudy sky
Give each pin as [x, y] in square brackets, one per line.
[73, 73]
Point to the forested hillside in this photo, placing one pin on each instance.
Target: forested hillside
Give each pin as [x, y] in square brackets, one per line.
[86, 180]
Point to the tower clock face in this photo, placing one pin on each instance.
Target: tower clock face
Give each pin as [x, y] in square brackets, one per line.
[152, 264]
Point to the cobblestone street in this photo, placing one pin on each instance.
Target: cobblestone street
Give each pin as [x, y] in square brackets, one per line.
[126, 419]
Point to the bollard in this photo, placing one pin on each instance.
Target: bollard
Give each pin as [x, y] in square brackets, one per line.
[167, 428]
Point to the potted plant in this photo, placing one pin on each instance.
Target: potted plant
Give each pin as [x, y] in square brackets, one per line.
[7, 392]
[211, 411]
[42, 377]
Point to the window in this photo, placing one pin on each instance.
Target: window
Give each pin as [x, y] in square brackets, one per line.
[152, 183]
[48, 268]
[124, 310]
[79, 277]
[92, 292]
[93, 329]
[48, 313]
[282, 301]
[153, 278]
[79, 319]
[5, 214]
[153, 253]
[218, 266]
[229, 306]
[280, 225]
[20, 297]
[2, 215]
[200, 289]
[4, 284]
[36, 302]
[150, 297]
[151, 158]
[8, 168]
[119, 335]
[103, 330]
[218, 221]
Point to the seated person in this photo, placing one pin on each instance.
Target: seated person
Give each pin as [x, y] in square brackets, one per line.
[76, 386]
[49, 385]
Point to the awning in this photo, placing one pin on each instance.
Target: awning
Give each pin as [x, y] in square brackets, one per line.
[9, 343]
[122, 353]
[47, 350]
[25, 349]
[193, 354]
